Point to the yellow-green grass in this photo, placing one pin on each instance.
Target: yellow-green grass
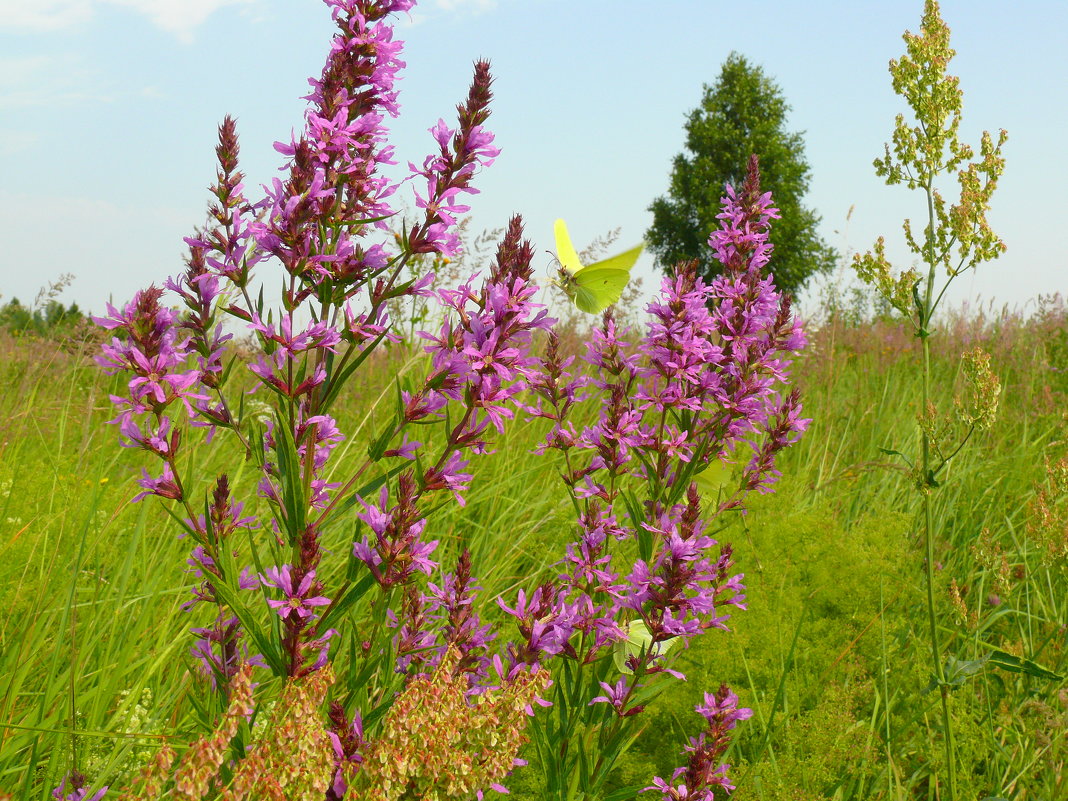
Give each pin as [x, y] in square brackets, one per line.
[831, 653]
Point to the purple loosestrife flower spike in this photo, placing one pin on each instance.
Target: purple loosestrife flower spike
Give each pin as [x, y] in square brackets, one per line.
[546, 622]
[219, 652]
[152, 351]
[348, 743]
[225, 247]
[333, 167]
[448, 173]
[757, 328]
[77, 790]
[702, 778]
[414, 642]
[594, 586]
[454, 601]
[397, 551]
[481, 355]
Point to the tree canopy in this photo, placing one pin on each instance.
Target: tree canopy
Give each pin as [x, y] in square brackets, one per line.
[742, 113]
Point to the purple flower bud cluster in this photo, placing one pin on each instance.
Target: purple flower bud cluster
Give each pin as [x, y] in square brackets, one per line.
[704, 778]
[321, 223]
[459, 623]
[72, 788]
[445, 611]
[448, 172]
[347, 740]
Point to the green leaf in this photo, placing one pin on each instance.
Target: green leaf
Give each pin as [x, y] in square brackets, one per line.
[624, 794]
[362, 220]
[645, 538]
[376, 714]
[349, 596]
[289, 474]
[958, 671]
[192, 532]
[266, 646]
[380, 443]
[1014, 664]
[256, 444]
[892, 452]
[338, 381]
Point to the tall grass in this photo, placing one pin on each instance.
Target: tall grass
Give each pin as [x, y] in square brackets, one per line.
[830, 654]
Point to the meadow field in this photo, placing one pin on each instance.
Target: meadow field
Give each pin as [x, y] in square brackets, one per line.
[831, 653]
[359, 506]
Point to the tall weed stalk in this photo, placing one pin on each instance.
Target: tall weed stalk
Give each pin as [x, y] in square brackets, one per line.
[956, 238]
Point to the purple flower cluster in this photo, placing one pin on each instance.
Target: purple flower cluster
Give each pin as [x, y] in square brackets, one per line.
[703, 778]
[76, 791]
[397, 551]
[334, 163]
[702, 387]
[347, 740]
[480, 362]
[446, 611]
[448, 172]
[318, 222]
[678, 593]
[453, 603]
[149, 345]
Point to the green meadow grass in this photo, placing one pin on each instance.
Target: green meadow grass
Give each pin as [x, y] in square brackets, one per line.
[831, 654]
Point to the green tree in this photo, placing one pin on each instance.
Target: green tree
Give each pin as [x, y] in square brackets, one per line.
[743, 113]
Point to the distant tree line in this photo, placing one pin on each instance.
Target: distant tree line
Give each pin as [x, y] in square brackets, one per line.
[50, 319]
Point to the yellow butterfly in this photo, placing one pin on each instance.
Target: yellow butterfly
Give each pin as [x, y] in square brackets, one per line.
[592, 287]
[638, 641]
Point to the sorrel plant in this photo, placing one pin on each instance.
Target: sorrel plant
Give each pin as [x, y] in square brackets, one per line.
[955, 239]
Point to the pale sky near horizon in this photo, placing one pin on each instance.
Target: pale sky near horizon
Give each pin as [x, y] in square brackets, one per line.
[109, 108]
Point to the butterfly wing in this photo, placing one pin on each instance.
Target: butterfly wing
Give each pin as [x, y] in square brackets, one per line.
[593, 287]
[638, 642]
[596, 288]
[638, 639]
[622, 261]
[565, 251]
[600, 285]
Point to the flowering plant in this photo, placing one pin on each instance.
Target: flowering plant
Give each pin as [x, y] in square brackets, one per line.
[327, 580]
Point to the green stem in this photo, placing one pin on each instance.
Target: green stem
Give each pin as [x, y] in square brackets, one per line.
[928, 506]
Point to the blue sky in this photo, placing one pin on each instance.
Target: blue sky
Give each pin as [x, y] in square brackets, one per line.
[109, 108]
